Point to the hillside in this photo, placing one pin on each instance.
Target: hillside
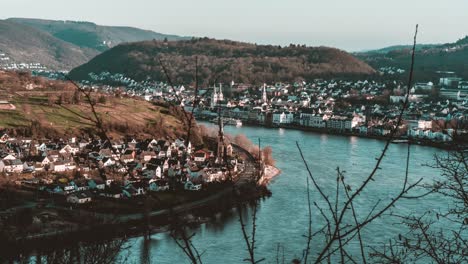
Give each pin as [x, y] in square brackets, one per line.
[429, 59]
[63, 45]
[223, 60]
[398, 47]
[90, 35]
[26, 44]
[38, 107]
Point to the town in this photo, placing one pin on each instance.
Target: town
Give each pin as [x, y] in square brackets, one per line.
[233, 131]
[7, 63]
[80, 169]
[435, 113]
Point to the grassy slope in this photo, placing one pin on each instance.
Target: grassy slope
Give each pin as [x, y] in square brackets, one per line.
[66, 118]
[121, 115]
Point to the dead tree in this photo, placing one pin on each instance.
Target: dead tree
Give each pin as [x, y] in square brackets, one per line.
[336, 232]
[435, 236]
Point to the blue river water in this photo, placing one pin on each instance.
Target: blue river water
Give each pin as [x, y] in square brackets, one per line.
[283, 218]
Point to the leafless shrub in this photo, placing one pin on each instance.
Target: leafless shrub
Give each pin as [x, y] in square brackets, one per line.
[338, 233]
[435, 236]
[106, 252]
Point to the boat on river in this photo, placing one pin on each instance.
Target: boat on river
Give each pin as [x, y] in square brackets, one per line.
[229, 121]
[399, 141]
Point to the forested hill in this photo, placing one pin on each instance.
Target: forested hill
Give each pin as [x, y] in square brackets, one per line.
[89, 35]
[26, 44]
[63, 45]
[429, 59]
[223, 61]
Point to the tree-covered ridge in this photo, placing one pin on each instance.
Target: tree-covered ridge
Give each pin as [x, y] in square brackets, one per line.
[430, 59]
[223, 61]
[89, 35]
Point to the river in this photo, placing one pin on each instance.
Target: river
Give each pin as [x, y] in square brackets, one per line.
[282, 218]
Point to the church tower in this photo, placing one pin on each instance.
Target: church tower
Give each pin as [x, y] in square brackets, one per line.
[220, 94]
[220, 152]
[264, 96]
[224, 148]
[214, 97]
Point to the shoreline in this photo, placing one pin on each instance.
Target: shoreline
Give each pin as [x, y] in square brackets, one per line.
[414, 141]
[137, 225]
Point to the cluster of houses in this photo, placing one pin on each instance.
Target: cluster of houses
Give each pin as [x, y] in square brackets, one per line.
[359, 107]
[367, 108]
[76, 167]
[6, 63]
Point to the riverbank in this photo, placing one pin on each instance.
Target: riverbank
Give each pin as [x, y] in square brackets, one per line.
[422, 142]
[110, 227]
[416, 141]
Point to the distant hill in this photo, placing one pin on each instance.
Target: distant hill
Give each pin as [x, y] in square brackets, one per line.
[429, 59]
[29, 106]
[90, 35]
[26, 44]
[223, 61]
[398, 47]
[63, 45]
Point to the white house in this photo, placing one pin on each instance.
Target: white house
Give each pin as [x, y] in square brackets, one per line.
[79, 198]
[15, 165]
[283, 118]
[158, 172]
[199, 156]
[425, 124]
[59, 166]
[46, 161]
[69, 149]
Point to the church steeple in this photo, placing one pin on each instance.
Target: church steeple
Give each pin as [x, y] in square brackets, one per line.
[221, 142]
[221, 127]
[220, 94]
[264, 96]
[214, 97]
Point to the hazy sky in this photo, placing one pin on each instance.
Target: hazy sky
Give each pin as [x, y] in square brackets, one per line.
[347, 24]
